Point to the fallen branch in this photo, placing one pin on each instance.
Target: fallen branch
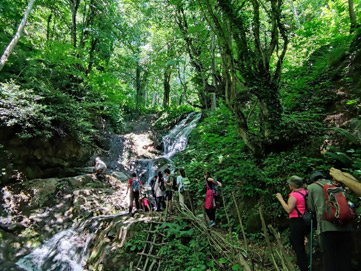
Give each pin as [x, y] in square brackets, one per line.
[266, 236]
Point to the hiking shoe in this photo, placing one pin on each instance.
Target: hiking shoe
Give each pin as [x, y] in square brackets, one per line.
[211, 224]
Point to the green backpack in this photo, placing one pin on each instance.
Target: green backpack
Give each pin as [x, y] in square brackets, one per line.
[186, 184]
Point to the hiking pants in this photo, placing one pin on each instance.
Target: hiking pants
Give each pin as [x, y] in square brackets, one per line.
[211, 213]
[181, 199]
[134, 195]
[298, 231]
[336, 250]
[160, 203]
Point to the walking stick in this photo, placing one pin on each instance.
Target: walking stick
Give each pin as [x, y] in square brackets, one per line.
[311, 245]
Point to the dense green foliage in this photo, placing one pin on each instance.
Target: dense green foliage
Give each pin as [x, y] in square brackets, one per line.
[284, 74]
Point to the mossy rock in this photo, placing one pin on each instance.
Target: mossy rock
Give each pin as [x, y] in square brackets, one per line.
[253, 223]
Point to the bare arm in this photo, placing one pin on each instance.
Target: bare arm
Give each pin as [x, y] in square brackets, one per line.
[347, 179]
[290, 205]
[214, 181]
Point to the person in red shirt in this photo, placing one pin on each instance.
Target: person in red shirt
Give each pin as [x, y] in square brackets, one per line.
[135, 186]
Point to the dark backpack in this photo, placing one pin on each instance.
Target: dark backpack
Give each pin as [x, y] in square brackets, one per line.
[337, 209]
[161, 185]
[215, 189]
[307, 215]
[135, 185]
[174, 185]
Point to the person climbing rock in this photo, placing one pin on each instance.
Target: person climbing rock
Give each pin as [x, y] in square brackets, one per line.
[99, 167]
[145, 204]
[210, 204]
[295, 208]
[135, 187]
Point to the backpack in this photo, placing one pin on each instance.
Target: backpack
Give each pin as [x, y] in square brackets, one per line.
[215, 189]
[337, 209]
[161, 185]
[186, 183]
[135, 185]
[307, 215]
[174, 185]
[152, 183]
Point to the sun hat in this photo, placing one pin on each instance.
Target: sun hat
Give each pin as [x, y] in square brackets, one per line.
[315, 175]
[295, 181]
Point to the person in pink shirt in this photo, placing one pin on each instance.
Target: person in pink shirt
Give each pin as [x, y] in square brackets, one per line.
[296, 207]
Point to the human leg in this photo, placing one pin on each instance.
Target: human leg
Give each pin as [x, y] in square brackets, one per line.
[181, 199]
[159, 203]
[297, 237]
[211, 213]
[336, 250]
[131, 197]
[136, 198]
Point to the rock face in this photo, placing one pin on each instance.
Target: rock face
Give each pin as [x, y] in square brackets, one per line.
[35, 210]
[39, 157]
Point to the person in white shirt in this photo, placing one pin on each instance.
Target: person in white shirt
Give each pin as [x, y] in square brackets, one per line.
[100, 167]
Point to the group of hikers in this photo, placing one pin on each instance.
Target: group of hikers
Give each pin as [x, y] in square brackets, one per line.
[322, 202]
[164, 186]
[319, 201]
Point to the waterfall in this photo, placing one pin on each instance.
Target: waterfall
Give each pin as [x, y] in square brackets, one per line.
[67, 250]
[63, 252]
[177, 138]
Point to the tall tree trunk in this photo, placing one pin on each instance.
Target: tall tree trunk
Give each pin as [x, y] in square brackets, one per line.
[183, 84]
[48, 26]
[138, 86]
[155, 98]
[17, 36]
[91, 55]
[88, 19]
[195, 57]
[74, 6]
[352, 15]
[166, 84]
[295, 14]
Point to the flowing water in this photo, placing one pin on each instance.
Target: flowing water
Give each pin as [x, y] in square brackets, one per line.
[66, 251]
[176, 140]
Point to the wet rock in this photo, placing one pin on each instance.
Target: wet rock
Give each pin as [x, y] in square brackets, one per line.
[8, 266]
[120, 176]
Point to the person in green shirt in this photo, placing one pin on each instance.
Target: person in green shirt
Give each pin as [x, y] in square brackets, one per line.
[335, 239]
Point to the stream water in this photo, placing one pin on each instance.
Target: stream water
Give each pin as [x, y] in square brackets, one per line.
[66, 250]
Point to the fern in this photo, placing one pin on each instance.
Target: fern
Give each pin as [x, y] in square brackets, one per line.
[354, 135]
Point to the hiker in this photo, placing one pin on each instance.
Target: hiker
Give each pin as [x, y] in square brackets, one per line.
[135, 187]
[210, 204]
[347, 179]
[159, 188]
[145, 204]
[182, 186]
[99, 167]
[152, 185]
[335, 239]
[168, 189]
[295, 208]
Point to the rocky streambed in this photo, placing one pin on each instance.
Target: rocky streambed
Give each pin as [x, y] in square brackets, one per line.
[81, 223]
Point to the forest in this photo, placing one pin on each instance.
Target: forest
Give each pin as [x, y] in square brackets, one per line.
[250, 91]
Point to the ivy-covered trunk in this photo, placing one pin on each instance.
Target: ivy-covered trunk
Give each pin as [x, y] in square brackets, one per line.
[166, 84]
[270, 109]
